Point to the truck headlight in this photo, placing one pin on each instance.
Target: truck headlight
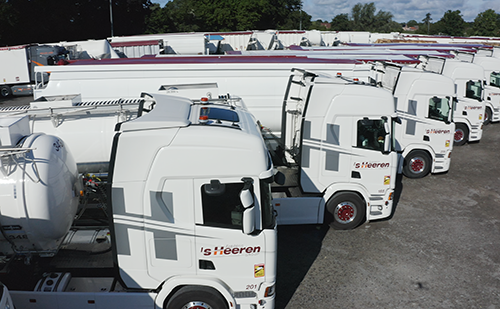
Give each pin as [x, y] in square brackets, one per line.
[270, 290]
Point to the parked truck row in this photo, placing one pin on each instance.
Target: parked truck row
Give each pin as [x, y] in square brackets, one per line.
[178, 217]
[171, 201]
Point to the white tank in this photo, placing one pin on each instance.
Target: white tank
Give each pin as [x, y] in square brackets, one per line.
[39, 194]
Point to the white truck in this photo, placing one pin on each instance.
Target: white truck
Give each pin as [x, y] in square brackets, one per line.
[423, 102]
[186, 227]
[491, 83]
[17, 63]
[259, 80]
[336, 150]
[469, 107]
[69, 130]
[187, 223]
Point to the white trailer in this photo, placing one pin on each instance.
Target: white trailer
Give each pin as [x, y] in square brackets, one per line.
[189, 225]
[17, 64]
[424, 103]
[170, 43]
[468, 113]
[316, 215]
[259, 81]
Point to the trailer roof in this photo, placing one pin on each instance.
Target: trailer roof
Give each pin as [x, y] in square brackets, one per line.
[214, 59]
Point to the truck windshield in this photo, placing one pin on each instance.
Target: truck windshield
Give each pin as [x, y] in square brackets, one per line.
[439, 108]
[474, 90]
[268, 218]
[495, 79]
[371, 134]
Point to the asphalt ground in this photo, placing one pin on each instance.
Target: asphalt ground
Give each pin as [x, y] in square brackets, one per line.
[440, 250]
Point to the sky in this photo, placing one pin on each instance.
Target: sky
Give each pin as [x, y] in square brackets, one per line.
[402, 10]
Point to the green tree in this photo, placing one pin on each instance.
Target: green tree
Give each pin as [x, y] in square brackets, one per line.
[384, 23]
[487, 23]
[341, 22]
[48, 21]
[365, 19]
[318, 25]
[363, 16]
[451, 23]
[227, 15]
[157, 21]
[412, 23]
[7, 22]
[427, 21]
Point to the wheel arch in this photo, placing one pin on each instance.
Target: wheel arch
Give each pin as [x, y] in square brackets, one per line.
[413, 147]
[336, 189]
[171, 286]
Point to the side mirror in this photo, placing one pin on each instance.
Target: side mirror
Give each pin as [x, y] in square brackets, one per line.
[247, 201]
[387, 144]
[249, 220]
[246, 198]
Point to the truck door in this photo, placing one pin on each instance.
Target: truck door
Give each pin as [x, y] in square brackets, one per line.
[223, 250]
[371, 165]
[169, 228]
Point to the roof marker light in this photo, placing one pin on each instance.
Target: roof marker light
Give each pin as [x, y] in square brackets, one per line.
[203, 115]
[339, 74]
[203, 119]
[204, 100]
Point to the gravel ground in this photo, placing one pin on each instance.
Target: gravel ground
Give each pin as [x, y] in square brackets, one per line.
[440, 250]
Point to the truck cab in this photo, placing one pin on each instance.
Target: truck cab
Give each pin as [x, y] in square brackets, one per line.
[491, 82]
[337, 150]
[188, 217]
[469, 107]
[424, 103]
[195, 203]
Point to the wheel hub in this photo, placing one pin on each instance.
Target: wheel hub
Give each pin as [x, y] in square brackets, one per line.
[196, 305]
[345, 212]
[417, 165]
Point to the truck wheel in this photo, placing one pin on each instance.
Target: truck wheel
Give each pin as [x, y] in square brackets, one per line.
[196, 297]
[461, 134]
[487, 116]
[5, 91]
[348, 211]
[417, 164]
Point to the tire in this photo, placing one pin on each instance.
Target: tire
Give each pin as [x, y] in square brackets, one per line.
[5, 91]
[461, 134]
[346, 210]
[199, 297]
[487, 116]
[417, 164]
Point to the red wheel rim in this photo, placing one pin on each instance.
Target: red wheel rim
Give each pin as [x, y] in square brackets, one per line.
[345, 212]
[417, 165]
[459, 135]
